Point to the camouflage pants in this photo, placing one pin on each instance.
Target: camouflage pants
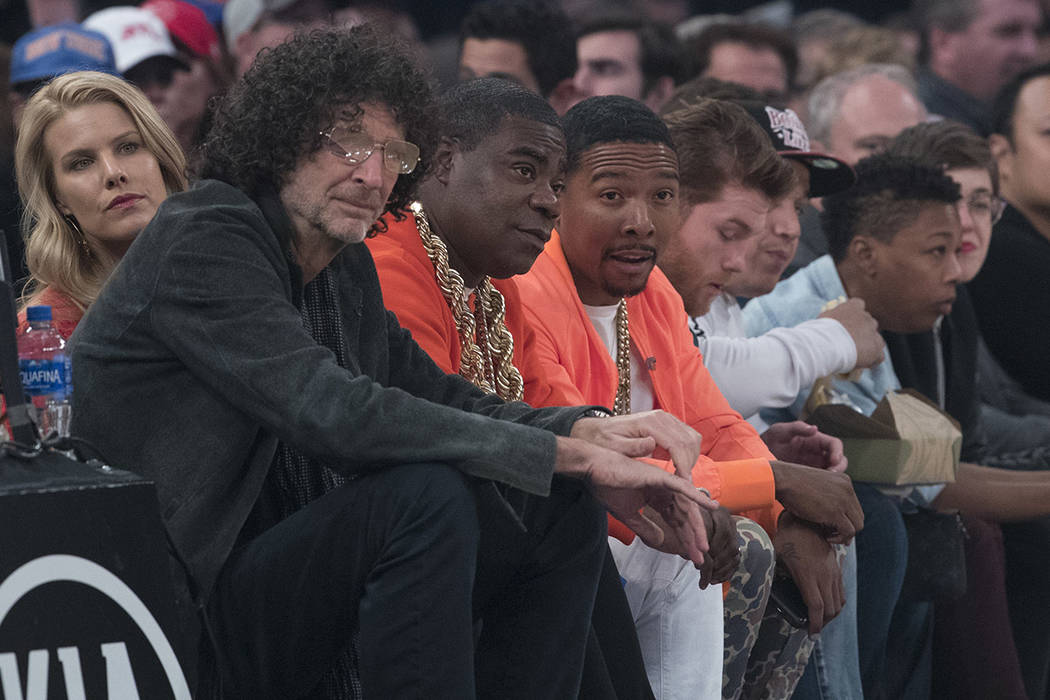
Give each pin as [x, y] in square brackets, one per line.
[764, 655]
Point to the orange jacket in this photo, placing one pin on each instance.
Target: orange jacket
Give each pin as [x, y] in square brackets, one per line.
[575, 368]
[410, 290]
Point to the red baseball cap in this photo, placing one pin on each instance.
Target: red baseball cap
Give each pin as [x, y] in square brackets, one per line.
[188, 24]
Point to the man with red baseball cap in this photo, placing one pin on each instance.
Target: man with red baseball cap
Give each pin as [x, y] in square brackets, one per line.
[181, 95]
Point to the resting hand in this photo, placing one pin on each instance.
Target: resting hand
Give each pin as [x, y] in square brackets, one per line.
[802, 443]
[722, 559]
[812, 563]
[646, 434]
[822, 497]
[625, 486]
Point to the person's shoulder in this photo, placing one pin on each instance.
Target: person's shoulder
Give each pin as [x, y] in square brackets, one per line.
[1014, 234]
[399, 244]
[542, 282]
[798, 287]
[212, 214]
[197, 210]
[1015, 253]
[65, 313]
[509, 289]
[661, 297]
[793, 300]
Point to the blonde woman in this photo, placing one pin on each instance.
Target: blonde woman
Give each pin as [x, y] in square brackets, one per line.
[93, 160]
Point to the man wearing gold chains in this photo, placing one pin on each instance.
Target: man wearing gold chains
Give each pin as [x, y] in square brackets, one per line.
[321, 477]
[607, 324]
[483, 215]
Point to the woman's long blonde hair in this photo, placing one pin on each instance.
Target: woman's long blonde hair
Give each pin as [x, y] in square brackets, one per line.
[55, 255]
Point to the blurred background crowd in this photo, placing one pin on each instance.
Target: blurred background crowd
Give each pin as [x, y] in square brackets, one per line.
[182, 52]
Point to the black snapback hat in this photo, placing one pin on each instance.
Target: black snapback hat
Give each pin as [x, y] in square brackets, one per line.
[827, 174]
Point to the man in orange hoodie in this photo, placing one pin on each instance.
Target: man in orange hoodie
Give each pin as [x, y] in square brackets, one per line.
[609, 327]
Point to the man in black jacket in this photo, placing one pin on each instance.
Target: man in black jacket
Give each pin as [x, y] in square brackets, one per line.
[318, 473]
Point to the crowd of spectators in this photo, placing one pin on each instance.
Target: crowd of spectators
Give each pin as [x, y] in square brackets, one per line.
[486, 363]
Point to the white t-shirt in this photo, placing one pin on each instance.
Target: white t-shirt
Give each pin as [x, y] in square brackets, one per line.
[603, 318]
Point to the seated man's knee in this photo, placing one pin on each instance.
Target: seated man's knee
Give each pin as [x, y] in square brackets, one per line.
[884, 535]
[579, 506]
[757, 556]
[433, 495]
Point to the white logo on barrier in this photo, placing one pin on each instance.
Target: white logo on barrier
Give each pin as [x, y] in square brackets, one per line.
[119, 677]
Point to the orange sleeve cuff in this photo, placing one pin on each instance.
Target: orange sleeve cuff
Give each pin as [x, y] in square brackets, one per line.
[745, 484]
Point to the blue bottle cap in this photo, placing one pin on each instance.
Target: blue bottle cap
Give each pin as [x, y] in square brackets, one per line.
[38, 313]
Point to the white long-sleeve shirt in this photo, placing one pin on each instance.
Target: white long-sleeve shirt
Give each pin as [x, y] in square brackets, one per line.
[771, 369]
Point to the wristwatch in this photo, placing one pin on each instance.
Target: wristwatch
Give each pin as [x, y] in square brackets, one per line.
[596, 413]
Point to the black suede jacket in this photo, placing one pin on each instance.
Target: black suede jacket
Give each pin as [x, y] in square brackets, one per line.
[194, 362]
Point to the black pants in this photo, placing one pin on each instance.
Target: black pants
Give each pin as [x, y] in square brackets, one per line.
[406, 556]
[1027, 582]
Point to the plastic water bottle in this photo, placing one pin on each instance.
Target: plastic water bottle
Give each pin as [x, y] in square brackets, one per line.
[47, 375]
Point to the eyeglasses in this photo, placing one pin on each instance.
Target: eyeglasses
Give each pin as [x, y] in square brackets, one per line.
[982, 204]
[355, 147]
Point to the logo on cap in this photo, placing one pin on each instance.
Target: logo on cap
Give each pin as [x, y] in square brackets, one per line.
[132, 30]
[788, 128]
[95, 48]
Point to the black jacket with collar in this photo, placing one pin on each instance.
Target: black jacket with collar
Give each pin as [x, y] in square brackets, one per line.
[193, 363]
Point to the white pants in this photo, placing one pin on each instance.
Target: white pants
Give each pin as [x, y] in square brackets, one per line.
[679, 626]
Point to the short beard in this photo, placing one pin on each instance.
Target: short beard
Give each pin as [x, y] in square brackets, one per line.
[621, 292]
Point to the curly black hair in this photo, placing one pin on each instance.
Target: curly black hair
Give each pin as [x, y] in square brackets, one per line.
[889, 195]
[540, 26]
[273, 115]
[474, 110]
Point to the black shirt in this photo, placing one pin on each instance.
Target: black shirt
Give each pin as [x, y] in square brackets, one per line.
[1011, 297]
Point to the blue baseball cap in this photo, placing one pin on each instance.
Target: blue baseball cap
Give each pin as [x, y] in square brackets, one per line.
[63, 48]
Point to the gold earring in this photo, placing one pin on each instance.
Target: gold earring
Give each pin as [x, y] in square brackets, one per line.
[80, 237]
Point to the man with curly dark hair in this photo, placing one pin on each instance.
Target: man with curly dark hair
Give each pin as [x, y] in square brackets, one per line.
[320, 476]
[528, 41]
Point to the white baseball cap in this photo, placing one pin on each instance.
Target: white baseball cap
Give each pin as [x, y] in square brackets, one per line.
[134, 33]
[239, 16]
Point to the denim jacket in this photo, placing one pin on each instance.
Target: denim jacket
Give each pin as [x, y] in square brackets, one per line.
[802, 297]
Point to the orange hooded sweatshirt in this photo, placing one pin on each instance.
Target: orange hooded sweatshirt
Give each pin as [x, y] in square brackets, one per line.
[572, 366]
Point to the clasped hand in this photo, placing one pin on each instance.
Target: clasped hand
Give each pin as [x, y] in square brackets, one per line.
[606, 454]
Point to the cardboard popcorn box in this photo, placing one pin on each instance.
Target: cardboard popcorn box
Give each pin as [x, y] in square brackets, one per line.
[906, 440]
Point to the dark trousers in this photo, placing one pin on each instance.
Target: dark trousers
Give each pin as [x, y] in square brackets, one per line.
[882, 557]
[406, 556]
[1027, 584]
[974, 656]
